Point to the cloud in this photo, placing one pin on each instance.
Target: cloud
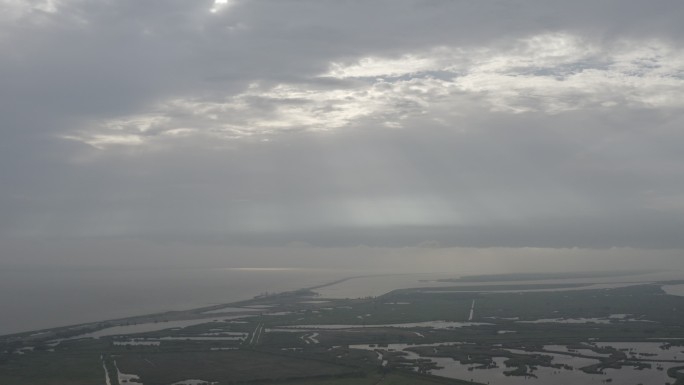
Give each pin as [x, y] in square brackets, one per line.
[392, 122]
[546, 74]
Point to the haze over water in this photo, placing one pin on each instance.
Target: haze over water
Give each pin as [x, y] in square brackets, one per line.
[39, 298]
[34, 298]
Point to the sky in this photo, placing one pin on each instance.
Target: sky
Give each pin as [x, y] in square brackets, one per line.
[410, 133]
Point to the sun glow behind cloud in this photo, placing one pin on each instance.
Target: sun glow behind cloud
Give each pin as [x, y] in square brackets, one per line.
[548, 123]
[220, 5]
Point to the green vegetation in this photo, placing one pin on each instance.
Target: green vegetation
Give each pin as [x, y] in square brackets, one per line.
[63, 368]
[262, 347]
[225, 367]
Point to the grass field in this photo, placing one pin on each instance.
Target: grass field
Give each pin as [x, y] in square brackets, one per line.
[47, 368]
[225, 367]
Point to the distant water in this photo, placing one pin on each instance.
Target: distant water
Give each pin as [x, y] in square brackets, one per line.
[379, 284]
[32, 299]
[374, 285]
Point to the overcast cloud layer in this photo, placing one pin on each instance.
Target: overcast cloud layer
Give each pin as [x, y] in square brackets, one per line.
[335, 123]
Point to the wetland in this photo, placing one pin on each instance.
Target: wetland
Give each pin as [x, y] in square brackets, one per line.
[491, 330]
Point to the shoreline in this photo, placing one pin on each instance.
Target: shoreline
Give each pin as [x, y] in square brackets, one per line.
[170, 315]
[201, 312]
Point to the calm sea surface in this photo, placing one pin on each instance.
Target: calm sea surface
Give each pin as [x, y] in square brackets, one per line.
[32, 299]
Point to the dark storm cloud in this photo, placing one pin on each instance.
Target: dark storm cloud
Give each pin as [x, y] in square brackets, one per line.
[339, 123]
